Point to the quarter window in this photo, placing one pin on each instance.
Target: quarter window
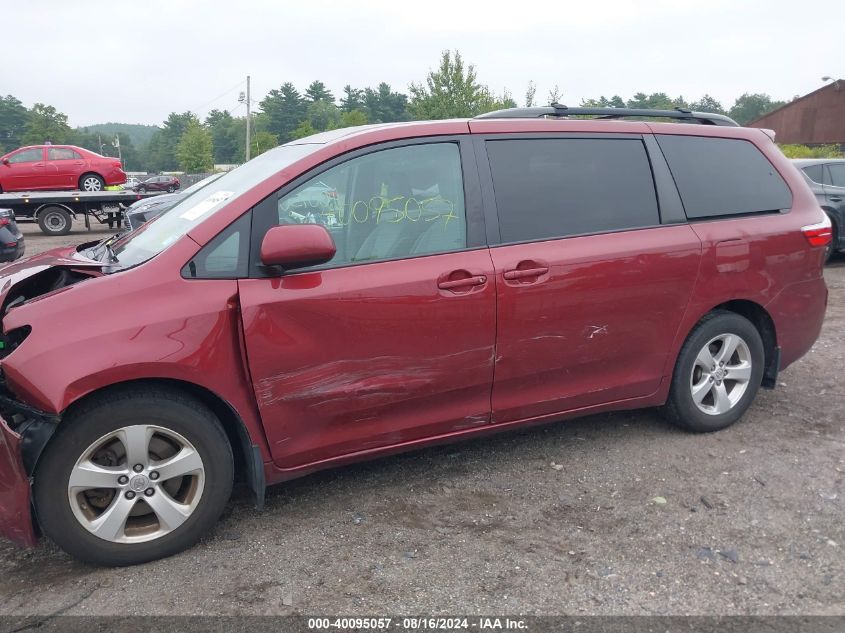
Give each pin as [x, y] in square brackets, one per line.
[550, 188]
[721, 176]
[390, 204]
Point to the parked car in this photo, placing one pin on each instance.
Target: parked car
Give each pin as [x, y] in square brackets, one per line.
[11, 239]
[158, 183]
[131, 183]
[48, 167]
[145, 210]
[483, 275]
[826, 177]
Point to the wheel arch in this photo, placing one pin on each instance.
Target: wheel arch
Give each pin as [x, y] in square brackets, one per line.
[249, 465]
[90, 173]
[765, 325]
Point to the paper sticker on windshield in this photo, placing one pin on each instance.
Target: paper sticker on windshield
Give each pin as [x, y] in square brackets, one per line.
[200, 209]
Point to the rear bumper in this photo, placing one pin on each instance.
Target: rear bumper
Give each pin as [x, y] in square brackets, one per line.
[15, 514]
[798, 313]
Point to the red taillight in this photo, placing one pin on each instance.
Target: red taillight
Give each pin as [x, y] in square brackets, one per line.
[819, 234]
[5, 221]
[10, 244]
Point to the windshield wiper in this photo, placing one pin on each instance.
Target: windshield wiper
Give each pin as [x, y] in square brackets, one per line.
[105, 246]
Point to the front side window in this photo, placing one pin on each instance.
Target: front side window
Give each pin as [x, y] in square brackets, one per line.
[191, 211]
[837, 174]
[389, 204]
[27, 156]
[553, 188]
[723, 176]
[62, 153]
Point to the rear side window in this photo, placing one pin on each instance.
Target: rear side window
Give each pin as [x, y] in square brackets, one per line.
[551, 188]
[837, 174]
[721, 176]
[815, 173]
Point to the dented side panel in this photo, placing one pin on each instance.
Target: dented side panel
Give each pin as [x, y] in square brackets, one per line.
[145, 323]
[597, 327]
[369, 356]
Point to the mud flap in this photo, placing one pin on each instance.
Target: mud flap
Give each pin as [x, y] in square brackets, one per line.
[15, 514]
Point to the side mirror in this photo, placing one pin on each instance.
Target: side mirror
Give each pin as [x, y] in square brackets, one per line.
[5, 161]
[297, 245]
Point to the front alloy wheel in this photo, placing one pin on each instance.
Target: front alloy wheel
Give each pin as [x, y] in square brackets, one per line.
[136, 484]
[133, 475]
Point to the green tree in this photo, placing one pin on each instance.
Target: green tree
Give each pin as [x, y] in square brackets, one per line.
[304, 129]
[261, 142]
[285, 109]
[707, 104]
[452, 91]
[324, 115]
[351, 119]
[530, 94]
[161, 150]
[221, 124]
[750, 107]
[352, 99]
[317, 91]
[383, 105]
[654, 101]
[802, 151]
[195, 150]
[45, 123]
[13, 119]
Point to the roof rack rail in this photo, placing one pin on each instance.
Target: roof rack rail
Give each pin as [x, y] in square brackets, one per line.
[558, 111]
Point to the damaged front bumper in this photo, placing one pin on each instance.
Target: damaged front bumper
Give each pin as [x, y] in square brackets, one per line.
[15, 507]
[24, 431]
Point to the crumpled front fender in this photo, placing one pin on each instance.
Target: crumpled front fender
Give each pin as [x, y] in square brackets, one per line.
[15, 514]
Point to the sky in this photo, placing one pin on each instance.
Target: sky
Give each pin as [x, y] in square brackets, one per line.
[135, 62]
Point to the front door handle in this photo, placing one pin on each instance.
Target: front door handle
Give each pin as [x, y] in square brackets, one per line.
[523, 273]
[835, 199]
[466, 282]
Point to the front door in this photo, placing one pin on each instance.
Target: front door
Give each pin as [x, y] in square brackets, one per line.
[393, 340]
[591, 289]
[25, 170]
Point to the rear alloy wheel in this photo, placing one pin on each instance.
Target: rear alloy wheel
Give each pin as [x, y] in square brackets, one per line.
[91, 182]
[133, 477]
[55, 221]
[142, 189]
[717, 374]
[170, 189]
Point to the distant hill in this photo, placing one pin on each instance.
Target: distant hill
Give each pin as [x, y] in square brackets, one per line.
[139, 133]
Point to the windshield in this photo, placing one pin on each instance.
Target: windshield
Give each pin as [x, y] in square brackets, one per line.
[152, 238]
[202, 183]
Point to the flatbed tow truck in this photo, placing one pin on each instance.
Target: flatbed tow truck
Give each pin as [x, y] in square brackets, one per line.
[54, 211]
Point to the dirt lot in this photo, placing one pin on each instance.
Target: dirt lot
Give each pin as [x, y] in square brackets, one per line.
[637, 518]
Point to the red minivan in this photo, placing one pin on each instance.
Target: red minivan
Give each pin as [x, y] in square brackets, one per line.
[467, 277]
[53, 167]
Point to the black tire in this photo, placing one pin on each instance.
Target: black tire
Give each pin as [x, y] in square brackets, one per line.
[91, 182]
[171, 189]
[680, 408]
[141, 189]
[55, 221]
[102, 415]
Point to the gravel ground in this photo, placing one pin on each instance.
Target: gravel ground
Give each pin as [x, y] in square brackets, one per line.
[611, 514]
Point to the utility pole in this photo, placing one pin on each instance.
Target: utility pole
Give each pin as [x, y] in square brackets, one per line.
[247, 117]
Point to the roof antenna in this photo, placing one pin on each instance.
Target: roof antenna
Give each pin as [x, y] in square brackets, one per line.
[559, 106]
[684, 110]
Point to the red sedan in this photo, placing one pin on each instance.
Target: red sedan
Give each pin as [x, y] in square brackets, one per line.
[46, 167]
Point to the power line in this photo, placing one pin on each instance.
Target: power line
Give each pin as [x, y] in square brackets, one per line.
[220, 96]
